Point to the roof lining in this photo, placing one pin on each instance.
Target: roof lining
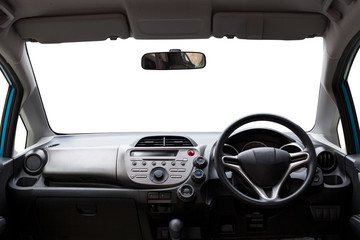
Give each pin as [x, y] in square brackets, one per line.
[244, 25]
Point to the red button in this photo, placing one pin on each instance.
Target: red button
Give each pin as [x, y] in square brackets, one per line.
[191, 153]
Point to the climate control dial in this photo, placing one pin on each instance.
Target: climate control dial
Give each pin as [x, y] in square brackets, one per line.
[186, 193]
[200, 162]
[198, 176]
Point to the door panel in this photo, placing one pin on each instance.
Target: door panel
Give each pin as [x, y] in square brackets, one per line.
[5, 169]
[353, 171]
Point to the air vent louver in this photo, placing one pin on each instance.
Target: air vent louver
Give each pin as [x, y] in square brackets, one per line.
[151, 142]
[164, 141]
[326, 161]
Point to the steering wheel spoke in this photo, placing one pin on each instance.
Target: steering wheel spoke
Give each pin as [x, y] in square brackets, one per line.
[235, 167]
[298, 159]
[272, 193]
[230, 160]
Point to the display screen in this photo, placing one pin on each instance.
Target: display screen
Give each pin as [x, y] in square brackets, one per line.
[154, 153]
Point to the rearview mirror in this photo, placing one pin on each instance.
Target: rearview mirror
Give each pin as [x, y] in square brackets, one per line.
[173, 60]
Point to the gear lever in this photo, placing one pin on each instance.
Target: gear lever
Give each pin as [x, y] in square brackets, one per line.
[175, 228]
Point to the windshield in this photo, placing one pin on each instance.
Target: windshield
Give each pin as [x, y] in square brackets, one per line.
[101, 86]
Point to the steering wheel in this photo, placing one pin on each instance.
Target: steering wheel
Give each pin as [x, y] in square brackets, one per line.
[265, 169]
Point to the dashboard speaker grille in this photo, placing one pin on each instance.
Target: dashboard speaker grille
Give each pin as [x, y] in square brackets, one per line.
[164, 141]
[326, 161]
[35, 161]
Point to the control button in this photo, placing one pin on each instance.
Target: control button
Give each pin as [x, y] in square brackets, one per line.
[200, 162]
[165, 195]
[132, 176]
[140, 176]
[134, 163]
[173, 163]
[153, 163]
[135, 170]
[163, 163]
[198, 173]
[181, 170]
[143, 170]
[186, 193]
[191, 153]
[143, 163]
[175, 176]
[153, 195]
[173, 169]
[198, 176]
[183, 163]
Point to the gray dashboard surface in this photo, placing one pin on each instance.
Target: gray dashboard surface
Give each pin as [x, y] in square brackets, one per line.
[106, 158]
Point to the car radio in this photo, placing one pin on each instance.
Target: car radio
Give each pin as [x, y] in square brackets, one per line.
[159, 166]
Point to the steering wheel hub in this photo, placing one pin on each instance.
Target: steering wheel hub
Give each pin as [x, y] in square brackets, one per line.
[264, 166]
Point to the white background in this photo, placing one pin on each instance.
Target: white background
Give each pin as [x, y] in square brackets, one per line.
[101, 87]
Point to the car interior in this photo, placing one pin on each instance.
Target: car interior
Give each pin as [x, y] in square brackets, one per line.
[241, 182]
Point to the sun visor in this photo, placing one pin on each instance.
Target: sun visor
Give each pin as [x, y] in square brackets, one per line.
[73, 28]
[285, 26]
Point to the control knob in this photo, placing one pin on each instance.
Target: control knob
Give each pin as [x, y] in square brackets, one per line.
[198, 176]
[158, 175]
[200, 162]
[186, 193]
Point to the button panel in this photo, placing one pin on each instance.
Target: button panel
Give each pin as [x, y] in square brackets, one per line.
[175, 169]
[140, 176]
[175, 176]
[159, 197]
[139, 169]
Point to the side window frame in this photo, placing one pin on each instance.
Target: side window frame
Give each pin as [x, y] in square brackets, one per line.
[343, 96]
[11, 109]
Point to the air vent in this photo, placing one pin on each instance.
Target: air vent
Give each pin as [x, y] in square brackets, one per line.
[35, 161]
[177, 142]
[326, 161]
[164, 141]
[151, 142]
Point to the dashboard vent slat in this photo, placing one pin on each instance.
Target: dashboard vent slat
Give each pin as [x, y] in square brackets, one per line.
[326, 161]
[164, 141]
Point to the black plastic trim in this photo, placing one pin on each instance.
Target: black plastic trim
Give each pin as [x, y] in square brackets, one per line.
[2, 225]
[340, 73]
[15, 108]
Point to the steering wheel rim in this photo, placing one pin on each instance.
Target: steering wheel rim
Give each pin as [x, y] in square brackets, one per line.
[306, 158]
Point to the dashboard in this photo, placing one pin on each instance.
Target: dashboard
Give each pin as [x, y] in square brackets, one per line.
[146, 164]
[153, 175]
[149, 162]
